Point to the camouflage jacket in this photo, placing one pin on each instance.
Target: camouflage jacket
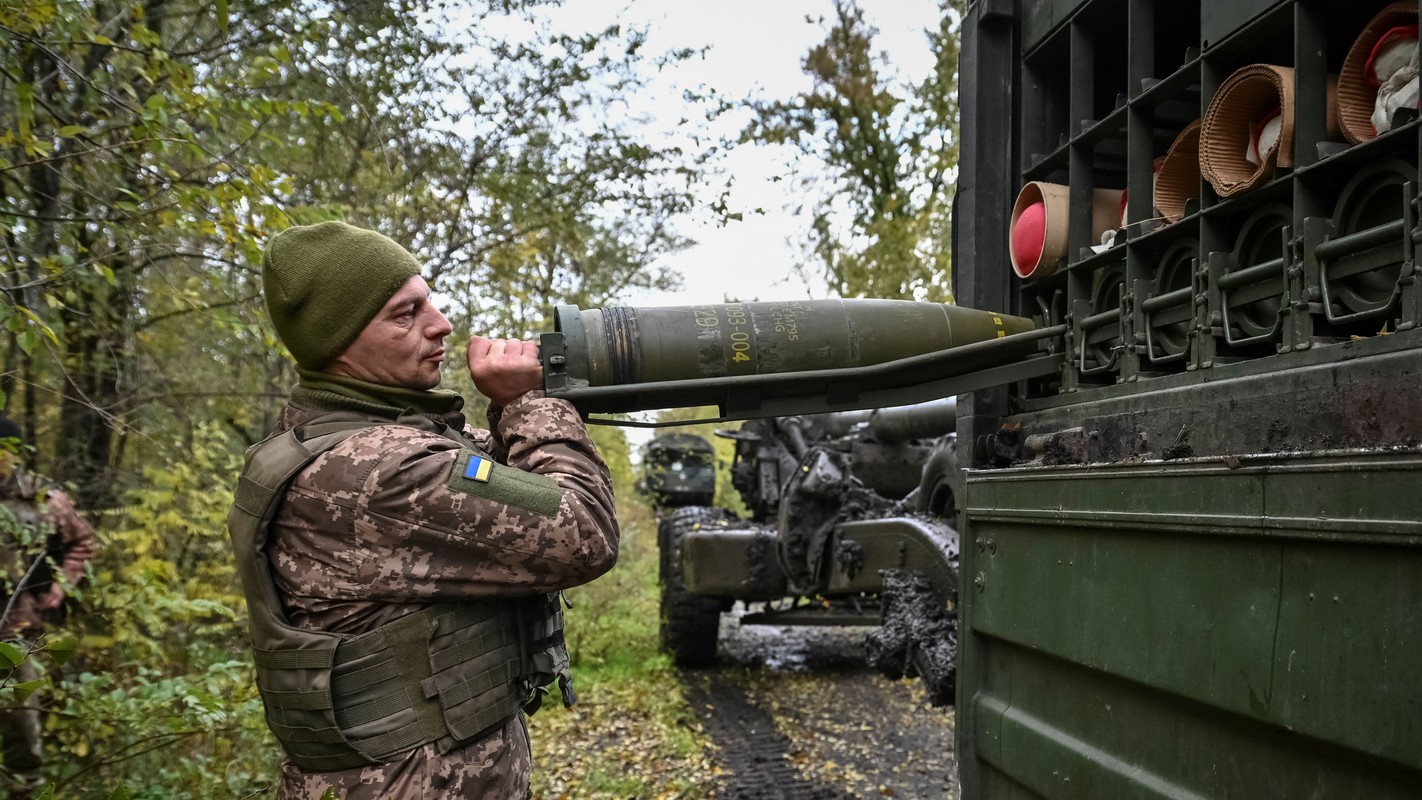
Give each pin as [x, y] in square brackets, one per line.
[382, 526]
[67, 536]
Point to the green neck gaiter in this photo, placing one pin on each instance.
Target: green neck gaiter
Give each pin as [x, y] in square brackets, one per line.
[327, 392]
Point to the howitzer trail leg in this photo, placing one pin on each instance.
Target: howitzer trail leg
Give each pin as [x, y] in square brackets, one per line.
[917, 635]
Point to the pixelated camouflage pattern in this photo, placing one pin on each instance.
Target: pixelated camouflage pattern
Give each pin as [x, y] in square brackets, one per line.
[27, 497]
[496, 767]
[372, 531]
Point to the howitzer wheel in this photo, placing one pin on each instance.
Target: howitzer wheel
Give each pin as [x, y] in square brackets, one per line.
[690, 622]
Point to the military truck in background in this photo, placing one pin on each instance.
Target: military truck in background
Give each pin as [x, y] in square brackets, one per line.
[679, 469]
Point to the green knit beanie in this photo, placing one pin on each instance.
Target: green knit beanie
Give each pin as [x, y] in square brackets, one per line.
[324, 283]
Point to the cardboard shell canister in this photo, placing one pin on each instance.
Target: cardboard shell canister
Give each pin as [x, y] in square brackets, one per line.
[1245, 97]
[1356, 93]
[1037, 235]
[1178, 181]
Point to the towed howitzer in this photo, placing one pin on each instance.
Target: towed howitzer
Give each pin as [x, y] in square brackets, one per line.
[885, 448]
[838, 513]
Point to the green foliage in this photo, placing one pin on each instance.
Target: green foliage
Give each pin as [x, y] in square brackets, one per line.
[163, 701]
[880, 224]
[192, 735]
[165, 588]
[11, 654]
[612, 626]
[612, 444]
[145, 157]
[147, 151]
[16, 686]
[631, 735]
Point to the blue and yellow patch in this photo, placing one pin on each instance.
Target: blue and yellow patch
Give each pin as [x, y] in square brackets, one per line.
[478, 469]
[481, 476]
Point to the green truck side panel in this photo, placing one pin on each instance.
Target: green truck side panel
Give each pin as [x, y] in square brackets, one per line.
[1217, 628]
[1191, 566]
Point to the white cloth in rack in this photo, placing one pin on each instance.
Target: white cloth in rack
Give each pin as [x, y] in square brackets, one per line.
[1396, 69]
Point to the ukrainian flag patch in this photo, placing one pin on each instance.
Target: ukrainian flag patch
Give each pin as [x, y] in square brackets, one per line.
[479, 469]
[481, 476]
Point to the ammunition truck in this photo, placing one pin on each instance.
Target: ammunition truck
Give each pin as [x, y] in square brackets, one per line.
[1189, 512]
[679, 469]
[1192, 544]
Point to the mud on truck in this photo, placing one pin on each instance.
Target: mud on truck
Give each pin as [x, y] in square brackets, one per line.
[1188, 429]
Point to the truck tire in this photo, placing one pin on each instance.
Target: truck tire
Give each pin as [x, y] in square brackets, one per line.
[690, 622]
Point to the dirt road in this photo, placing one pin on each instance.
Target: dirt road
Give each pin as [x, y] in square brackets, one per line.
[795, 715]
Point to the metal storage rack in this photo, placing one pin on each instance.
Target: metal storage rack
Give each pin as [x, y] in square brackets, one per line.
[1313, 257]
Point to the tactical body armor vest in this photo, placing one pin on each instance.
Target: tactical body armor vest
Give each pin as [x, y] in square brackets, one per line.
[447, 675]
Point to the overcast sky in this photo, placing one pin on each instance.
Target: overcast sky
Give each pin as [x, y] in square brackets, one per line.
[755, 46]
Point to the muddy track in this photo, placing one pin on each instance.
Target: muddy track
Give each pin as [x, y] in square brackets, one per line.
[754, 754]
[795, 714]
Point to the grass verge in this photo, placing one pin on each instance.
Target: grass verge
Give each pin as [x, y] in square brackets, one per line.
[631, 734]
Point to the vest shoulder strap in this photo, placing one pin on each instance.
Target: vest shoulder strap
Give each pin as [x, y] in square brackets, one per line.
[274, 462]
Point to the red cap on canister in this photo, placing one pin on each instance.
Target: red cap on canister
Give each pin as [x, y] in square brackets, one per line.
[1029, 236]
[1401, 35]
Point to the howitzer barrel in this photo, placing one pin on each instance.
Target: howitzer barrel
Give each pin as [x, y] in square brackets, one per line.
[840, 423]
[900, 423]
[921, 421]
[745, 357]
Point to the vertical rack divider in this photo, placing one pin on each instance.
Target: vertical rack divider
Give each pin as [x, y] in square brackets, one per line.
[1083, 67]
[1031, 110]
[1411, 312]
[1302, 292]
[1213, 239]
[1082, 55]
[991, 46]
[1140, 155]
[1411, 316]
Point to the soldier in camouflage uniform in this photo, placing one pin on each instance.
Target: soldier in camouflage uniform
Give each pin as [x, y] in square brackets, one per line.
[45, 545]
[396, 518]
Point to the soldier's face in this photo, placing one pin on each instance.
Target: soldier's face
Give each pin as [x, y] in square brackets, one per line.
[403, 346]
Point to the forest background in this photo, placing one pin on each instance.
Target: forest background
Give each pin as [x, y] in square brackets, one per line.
[147, 151]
